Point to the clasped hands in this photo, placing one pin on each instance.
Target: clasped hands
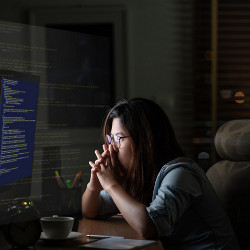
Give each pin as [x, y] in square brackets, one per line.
[105, 170]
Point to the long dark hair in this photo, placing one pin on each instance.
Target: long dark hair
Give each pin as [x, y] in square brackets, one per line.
[153, 143]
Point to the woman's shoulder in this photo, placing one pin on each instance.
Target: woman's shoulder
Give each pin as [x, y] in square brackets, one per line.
[180, 162]
[181, 167]
[182, 173]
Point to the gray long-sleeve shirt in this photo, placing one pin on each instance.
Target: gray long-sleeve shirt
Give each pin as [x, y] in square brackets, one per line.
[185, 209]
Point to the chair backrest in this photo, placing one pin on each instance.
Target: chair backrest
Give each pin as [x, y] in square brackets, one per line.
[230, 177]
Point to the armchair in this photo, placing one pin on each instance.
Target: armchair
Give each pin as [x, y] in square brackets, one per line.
[230, 177]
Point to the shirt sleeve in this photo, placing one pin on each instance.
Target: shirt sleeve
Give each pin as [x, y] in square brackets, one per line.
[178, 189]
[108, 208]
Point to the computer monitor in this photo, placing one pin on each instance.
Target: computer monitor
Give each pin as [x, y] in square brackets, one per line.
[58, 86]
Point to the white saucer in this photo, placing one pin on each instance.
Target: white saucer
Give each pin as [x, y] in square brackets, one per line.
[71, 236]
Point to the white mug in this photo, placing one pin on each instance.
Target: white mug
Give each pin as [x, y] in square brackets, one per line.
[57, 227]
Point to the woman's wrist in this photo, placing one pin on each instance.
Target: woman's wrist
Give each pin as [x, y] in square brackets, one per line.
[112, 186]
[92, 189]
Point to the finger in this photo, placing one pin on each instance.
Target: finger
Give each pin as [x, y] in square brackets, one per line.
[105, 150]
[93, 166]
[102, 167]
[105, 154]
[105, 147]
[94, 169]
[98, 161]
[108, 162]
[113, 156]
[98, 155]
[114, 160]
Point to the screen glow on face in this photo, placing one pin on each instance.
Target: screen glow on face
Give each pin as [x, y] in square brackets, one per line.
[115, 139]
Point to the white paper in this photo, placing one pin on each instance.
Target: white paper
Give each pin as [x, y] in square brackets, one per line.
[118, 243]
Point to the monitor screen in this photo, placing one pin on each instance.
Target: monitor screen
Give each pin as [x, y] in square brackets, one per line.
[18, 109]
[55, 91]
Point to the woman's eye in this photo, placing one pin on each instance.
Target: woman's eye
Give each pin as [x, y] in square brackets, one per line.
[117, 139]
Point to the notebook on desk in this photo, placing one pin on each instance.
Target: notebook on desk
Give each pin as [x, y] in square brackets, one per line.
[117, 243]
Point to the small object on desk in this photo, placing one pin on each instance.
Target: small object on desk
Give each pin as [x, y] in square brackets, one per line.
[57, 227]
[117, 243]
[68, 182]
[77, 179]
[97, 236]
[22, 228]
[72, 235]
[59, 180]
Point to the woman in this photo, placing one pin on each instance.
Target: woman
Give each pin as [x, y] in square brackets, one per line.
[143, 174]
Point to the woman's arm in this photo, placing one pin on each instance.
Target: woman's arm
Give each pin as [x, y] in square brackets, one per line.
[134, 212]
[91, 200]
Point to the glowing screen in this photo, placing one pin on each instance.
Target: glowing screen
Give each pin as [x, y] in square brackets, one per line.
[55, 91]
[18, 108]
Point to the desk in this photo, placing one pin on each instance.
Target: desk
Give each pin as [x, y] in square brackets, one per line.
[115, 226]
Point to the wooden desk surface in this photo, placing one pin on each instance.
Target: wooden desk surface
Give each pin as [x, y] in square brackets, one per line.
[115, 226]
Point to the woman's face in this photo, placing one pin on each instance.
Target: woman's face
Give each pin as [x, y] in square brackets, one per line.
[124, 153]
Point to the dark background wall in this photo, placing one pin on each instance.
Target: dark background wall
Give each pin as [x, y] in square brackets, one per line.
[153, 55]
